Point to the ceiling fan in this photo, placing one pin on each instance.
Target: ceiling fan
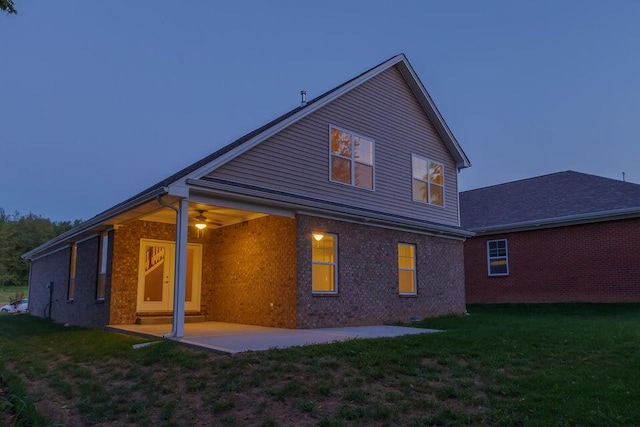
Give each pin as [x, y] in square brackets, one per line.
[202, 221]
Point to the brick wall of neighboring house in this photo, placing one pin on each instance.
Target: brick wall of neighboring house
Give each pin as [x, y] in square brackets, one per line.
[253, 273]
[84, 309]
[598, 262]
[368, 276]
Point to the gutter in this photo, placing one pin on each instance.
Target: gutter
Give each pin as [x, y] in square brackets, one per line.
[561, 221]
[93, 222]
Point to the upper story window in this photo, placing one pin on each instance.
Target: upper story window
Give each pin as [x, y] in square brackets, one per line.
[428, 181]
[497, 257]
[351, 158]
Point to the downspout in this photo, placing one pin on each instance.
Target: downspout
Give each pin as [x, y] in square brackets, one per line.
[177, 330]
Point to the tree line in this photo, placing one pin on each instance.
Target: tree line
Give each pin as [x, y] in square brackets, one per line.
[19, 234]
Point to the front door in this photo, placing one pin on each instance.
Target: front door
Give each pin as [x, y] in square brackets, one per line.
[155, 276]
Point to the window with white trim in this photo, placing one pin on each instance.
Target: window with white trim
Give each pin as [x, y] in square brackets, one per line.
[102, 267]
[428, 181]
[324, 260]
[351, 158]
[497, 257]
[71, 289]
[406, 269]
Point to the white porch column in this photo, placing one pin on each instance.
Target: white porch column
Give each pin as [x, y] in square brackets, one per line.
[180, 275]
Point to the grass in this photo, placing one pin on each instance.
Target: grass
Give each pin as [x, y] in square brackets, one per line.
[8, 293]
[533, 365]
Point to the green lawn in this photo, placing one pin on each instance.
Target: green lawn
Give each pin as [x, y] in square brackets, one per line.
[531, 365]
[8, 293]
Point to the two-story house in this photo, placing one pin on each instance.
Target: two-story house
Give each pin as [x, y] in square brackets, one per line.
[343, 211]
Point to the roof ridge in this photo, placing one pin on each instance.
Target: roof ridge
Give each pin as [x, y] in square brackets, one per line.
[518, 180]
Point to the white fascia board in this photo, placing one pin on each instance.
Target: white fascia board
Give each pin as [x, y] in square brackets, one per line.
[247, 145]
[318, 207]
[434, 114]
[71, 234]
[563, 221]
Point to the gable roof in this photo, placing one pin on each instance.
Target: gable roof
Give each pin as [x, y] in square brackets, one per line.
[255, 137]
[550, 200]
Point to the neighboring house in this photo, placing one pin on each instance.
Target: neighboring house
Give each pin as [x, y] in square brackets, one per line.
[343, 211]
[564, 237]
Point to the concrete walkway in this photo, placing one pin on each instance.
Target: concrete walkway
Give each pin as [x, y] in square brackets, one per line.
[232, 338]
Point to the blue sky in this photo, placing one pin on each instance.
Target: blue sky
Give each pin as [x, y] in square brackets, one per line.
[99, 100]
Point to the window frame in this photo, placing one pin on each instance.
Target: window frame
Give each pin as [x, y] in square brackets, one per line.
[73, 264]
[414, 269]
[497, 257]
[334, 264]
[427, 182]
[352, 159]
[103, 260]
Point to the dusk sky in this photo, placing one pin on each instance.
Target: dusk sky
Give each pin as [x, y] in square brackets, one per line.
[99, 100]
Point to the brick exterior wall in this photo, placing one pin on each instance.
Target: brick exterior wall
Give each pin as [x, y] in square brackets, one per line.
[259, 272]
[84, 310]
[368, 276]
[126, 257]
[246, 268]
[252, 273]
[51, 268]
[598, 262]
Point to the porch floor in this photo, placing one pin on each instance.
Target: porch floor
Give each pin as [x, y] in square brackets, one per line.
[232, 338]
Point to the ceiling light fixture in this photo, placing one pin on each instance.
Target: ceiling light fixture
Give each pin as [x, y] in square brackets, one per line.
[201, 223]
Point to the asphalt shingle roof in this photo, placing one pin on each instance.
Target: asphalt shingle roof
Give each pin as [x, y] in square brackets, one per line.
[545, 197]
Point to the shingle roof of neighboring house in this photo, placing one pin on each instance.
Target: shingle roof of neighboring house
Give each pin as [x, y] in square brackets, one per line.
[546, 200]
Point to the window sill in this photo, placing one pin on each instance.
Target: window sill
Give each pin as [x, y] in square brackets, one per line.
[70, 300]
[408, 295]
[323, 294]
[100, 301]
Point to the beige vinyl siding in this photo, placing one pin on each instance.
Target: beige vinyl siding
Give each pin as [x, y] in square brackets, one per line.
[296, 160]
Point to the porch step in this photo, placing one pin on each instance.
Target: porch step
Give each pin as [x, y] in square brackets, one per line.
[157, 320]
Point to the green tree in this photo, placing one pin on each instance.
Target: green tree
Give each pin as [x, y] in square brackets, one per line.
[8, 6]
[20, 234]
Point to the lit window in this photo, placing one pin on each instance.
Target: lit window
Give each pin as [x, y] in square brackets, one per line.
[497, 257]
[324, 257]
[428, 181]
[351, 158]
[71, 290]
[406, 269]
[102, 266]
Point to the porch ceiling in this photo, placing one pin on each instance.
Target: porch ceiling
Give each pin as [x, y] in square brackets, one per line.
[216, 216]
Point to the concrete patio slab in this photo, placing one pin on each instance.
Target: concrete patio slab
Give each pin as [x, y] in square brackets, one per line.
[232, 338]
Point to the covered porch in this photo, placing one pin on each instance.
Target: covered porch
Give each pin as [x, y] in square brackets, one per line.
[227, 260]
[232, 338]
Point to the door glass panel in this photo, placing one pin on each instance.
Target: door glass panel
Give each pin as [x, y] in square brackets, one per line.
[154, 272]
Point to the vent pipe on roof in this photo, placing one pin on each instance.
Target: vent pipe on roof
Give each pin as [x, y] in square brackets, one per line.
[303, 96]
[623, 178]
